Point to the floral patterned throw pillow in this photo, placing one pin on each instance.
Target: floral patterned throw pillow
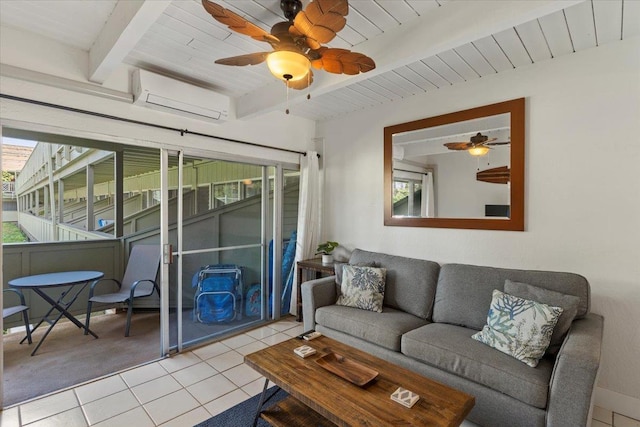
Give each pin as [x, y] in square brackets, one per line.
[362, 287]
[519, 327]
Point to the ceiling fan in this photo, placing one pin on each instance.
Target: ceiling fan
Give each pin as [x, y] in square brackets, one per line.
[478, 145]
[297, 43]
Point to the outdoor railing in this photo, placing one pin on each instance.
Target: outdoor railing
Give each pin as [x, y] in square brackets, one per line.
[38, 228]
[8, 189]
[41, 230]
[25, 259]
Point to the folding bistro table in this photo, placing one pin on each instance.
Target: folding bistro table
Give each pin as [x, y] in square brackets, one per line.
[76, 281]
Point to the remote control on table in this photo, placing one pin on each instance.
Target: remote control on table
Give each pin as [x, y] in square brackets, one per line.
[301, 336]
[311, 335]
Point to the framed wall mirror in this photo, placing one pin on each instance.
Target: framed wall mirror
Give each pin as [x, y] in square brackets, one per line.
[457, 170]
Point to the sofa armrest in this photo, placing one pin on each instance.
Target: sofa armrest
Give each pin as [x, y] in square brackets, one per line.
[316, 293]
[574, 375]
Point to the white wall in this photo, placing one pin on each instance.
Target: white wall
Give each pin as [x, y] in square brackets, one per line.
[272, 130]
[32, 52]
[458, 192]
[582, 189]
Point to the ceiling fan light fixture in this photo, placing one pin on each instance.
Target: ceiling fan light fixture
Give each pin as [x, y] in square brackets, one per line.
[478, 151]
[288, 66]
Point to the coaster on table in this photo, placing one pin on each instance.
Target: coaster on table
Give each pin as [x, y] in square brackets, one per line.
[405, 397]
[304, 351]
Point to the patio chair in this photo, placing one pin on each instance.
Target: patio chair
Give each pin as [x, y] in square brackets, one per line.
[10, 311]
[139, 281]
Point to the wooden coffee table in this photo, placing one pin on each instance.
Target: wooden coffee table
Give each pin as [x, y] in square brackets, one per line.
[319, 397]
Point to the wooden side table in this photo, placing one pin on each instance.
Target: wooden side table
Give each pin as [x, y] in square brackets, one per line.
[319, 268]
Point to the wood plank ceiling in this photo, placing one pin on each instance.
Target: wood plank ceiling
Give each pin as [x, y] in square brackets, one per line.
[184, 41]
[578, 27]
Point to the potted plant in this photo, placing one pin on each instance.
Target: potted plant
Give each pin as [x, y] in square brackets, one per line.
[325, 249]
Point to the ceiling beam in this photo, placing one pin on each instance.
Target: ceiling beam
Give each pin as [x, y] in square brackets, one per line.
[128, 23]
[447, 27]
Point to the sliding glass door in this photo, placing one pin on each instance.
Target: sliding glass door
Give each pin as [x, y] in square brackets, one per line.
[227, 244]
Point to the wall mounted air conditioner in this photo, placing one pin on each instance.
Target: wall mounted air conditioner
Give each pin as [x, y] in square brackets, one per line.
[173, 96]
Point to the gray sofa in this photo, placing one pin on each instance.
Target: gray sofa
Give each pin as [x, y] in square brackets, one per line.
[430, 313]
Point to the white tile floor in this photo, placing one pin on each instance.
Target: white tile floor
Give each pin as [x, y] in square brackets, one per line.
[606, 418]
[183, 390]
[179, 391]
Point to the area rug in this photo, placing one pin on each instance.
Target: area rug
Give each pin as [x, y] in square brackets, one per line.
[243, 413]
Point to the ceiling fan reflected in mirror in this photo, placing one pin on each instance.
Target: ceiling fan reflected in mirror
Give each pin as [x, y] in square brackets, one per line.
[478, 145]
[297, 42]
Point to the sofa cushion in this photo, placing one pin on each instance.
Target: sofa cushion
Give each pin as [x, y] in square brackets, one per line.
[519, 327]
[411, 283]
[384, 329]
[464, 291]
[338, 267]
[362, 287]
[450, 348]
[568, 303]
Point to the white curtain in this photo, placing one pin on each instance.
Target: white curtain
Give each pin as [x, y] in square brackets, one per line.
[308, 216]
[428, 200]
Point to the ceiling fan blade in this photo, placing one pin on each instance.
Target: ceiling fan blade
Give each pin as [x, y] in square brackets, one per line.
[500, 175]
[458, 145]
[302, 83]
[497, 143]
[237, 23]
[343, 61]
[320, 21]
[248, 59]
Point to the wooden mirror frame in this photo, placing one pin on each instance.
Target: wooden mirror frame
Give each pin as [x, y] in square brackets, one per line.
[515, 222]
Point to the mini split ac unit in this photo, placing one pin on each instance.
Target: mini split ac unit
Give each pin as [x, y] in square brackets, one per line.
[173, 96]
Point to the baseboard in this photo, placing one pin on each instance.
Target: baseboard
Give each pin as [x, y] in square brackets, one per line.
[618, 403]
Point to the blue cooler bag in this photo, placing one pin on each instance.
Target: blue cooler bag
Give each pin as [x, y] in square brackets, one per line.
[216, 301]
[218, 296]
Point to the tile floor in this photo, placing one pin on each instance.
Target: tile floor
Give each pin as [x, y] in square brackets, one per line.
[179, 391]
[606, 418]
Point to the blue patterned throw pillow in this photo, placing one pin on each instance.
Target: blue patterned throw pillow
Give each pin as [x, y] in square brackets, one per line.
[519, 327]
[362, 287]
